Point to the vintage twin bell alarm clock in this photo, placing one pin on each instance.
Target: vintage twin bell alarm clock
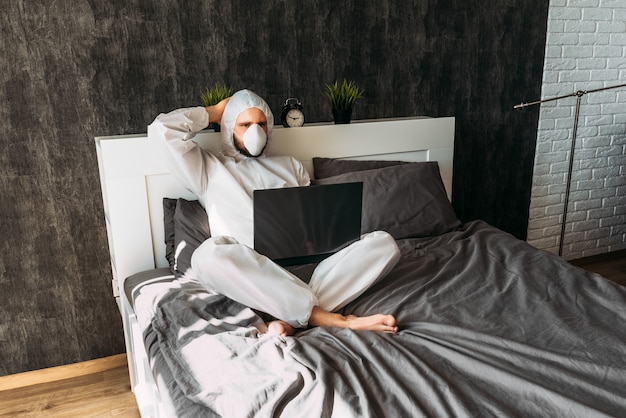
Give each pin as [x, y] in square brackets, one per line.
[292, 115]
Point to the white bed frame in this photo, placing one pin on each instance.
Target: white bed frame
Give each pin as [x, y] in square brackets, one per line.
[135, 177]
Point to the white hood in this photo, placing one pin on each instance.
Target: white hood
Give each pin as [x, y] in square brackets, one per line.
[240, 101]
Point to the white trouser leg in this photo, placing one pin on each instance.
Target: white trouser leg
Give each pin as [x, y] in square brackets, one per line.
[240, 273]
[345, 275]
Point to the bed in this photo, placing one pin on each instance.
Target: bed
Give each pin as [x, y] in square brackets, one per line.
[489, 326]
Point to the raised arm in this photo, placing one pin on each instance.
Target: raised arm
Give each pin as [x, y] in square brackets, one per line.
[174, 131]
[216, 111]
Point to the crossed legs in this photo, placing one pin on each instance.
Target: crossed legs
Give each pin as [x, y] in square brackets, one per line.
[236, 271]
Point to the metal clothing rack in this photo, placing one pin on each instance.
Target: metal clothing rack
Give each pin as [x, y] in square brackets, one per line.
[579, 94]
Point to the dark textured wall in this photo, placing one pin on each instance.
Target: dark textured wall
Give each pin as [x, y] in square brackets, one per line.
[75, 69]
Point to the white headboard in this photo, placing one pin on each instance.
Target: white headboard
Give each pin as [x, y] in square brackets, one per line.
[135, 177]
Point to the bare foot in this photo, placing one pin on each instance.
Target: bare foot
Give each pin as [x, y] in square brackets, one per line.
[280, 328]
[379, 322]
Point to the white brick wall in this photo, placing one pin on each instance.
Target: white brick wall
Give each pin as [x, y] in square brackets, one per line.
[585, 50]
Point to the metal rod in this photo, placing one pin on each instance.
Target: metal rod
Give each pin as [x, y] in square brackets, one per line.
[522, 105]
[578, 95]
[569, 175]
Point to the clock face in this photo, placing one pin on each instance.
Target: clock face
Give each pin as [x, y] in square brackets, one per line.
[294, 118]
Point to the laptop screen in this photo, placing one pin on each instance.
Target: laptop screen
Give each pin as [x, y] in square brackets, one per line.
[300, 225]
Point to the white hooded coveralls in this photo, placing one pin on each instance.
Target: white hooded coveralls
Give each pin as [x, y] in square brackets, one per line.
[227, 263]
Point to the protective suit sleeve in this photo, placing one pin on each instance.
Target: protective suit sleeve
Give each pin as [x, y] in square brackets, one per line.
[303, 176]
[187, 160]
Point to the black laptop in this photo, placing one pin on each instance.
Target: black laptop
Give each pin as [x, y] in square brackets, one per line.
[300, 225]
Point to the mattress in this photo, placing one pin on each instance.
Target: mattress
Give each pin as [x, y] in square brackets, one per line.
[489, 326]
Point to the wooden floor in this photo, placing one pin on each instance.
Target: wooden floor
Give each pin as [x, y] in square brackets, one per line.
[611, 266]
[100, 388]
[97, 388]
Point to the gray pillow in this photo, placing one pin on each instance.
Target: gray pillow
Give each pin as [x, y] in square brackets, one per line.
[407, 200]
[169, 208]
[328, 167]
[189, 223]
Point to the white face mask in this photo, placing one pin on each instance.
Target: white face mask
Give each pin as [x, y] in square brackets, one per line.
[255, 139]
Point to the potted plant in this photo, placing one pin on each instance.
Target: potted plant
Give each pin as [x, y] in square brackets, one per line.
[342, 97]
[214, 95]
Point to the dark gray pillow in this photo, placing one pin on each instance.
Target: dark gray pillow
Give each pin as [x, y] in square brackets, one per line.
[189, 223]
[407, 200]
[328, 167]
[169, 208]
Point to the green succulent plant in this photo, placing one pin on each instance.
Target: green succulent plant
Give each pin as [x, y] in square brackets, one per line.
[342, 95]
[214, 95]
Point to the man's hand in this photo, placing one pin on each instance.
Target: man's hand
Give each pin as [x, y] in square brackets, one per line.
[216, 111]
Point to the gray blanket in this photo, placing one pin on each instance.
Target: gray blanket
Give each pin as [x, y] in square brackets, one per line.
[489, 326]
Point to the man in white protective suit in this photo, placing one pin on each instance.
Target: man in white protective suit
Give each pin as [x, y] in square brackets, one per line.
[226, 263]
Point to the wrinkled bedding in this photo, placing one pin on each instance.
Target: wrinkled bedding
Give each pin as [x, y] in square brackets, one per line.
[489, 326]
